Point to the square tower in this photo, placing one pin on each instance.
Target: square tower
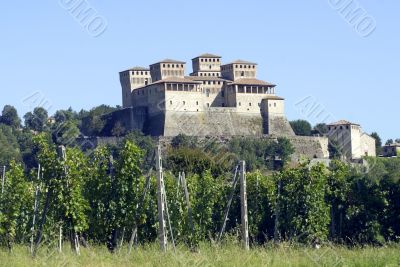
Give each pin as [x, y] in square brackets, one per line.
[206, 65]
[132, 79]
[167, 68]
[239, 69]
[353, 142]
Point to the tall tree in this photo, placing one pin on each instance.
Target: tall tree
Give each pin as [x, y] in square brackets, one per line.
[9, 116]
[37, 120]
[320, 128]
[389, 142]
[378, 143]
[9, 149]
[301, 127]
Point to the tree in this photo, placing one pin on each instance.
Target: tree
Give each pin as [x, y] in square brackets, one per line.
[284, 149]
[65, 115]
[92, 122]
[37, 120]
[182, 140]
[389, 142]
[378, 143]
[9, 148]
[9, 116]
[301, 127]
[334, 148]
[320, 129]
[118, 129]
[66, 133]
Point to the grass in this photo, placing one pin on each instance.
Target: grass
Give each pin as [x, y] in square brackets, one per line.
[208, 255]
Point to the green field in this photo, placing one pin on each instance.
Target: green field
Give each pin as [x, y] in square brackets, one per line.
[207, 255]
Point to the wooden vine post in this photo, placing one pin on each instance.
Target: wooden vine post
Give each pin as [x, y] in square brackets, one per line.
[243, 203]
[161, 201]
[3, 179]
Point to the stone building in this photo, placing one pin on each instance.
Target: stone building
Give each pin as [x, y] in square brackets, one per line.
[392, 150]
[215, 99]
[352, 141]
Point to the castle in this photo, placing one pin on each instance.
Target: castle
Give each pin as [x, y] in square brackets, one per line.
[216, 99]
[220, 100]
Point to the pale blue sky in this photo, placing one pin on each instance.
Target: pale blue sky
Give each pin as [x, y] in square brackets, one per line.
[306, 47]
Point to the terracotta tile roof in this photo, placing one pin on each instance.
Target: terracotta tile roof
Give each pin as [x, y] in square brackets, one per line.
[246, 81]
[342, 122]
[168, 60]
[175, 80]
[239, 61]
[137, 68]
[206, 78]
[207, 55]
[274, 97]
[393, 145]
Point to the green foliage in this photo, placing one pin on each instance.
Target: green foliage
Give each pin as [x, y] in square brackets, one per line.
[9, 149]
[146, 144]
[320, 129]
[37, 120]
[13, 204]
[302, 213]
[301, 127]
[378, 143]
[9, 116]
[182, 140]
[192, 161]
[99, 196]
[335, 150]
[92, 122]
[262, 153]
[65, 133]
[114, 191]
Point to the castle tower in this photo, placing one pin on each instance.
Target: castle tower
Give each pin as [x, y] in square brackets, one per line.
[206, 65]
[352, 141]
[239, 69]
[274, 118]
[132, 79]
[167, 68]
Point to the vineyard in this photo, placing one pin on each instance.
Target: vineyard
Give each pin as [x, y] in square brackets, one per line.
[111, 198]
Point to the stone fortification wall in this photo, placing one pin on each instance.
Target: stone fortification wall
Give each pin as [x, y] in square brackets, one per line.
[306, 147]
[213, 122]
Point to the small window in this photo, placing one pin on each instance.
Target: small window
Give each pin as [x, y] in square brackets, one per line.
[197, 103]
[274, 104]
[170, 102]
[240, 104]
[249, 104]
[208, 105]
[184, 103]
